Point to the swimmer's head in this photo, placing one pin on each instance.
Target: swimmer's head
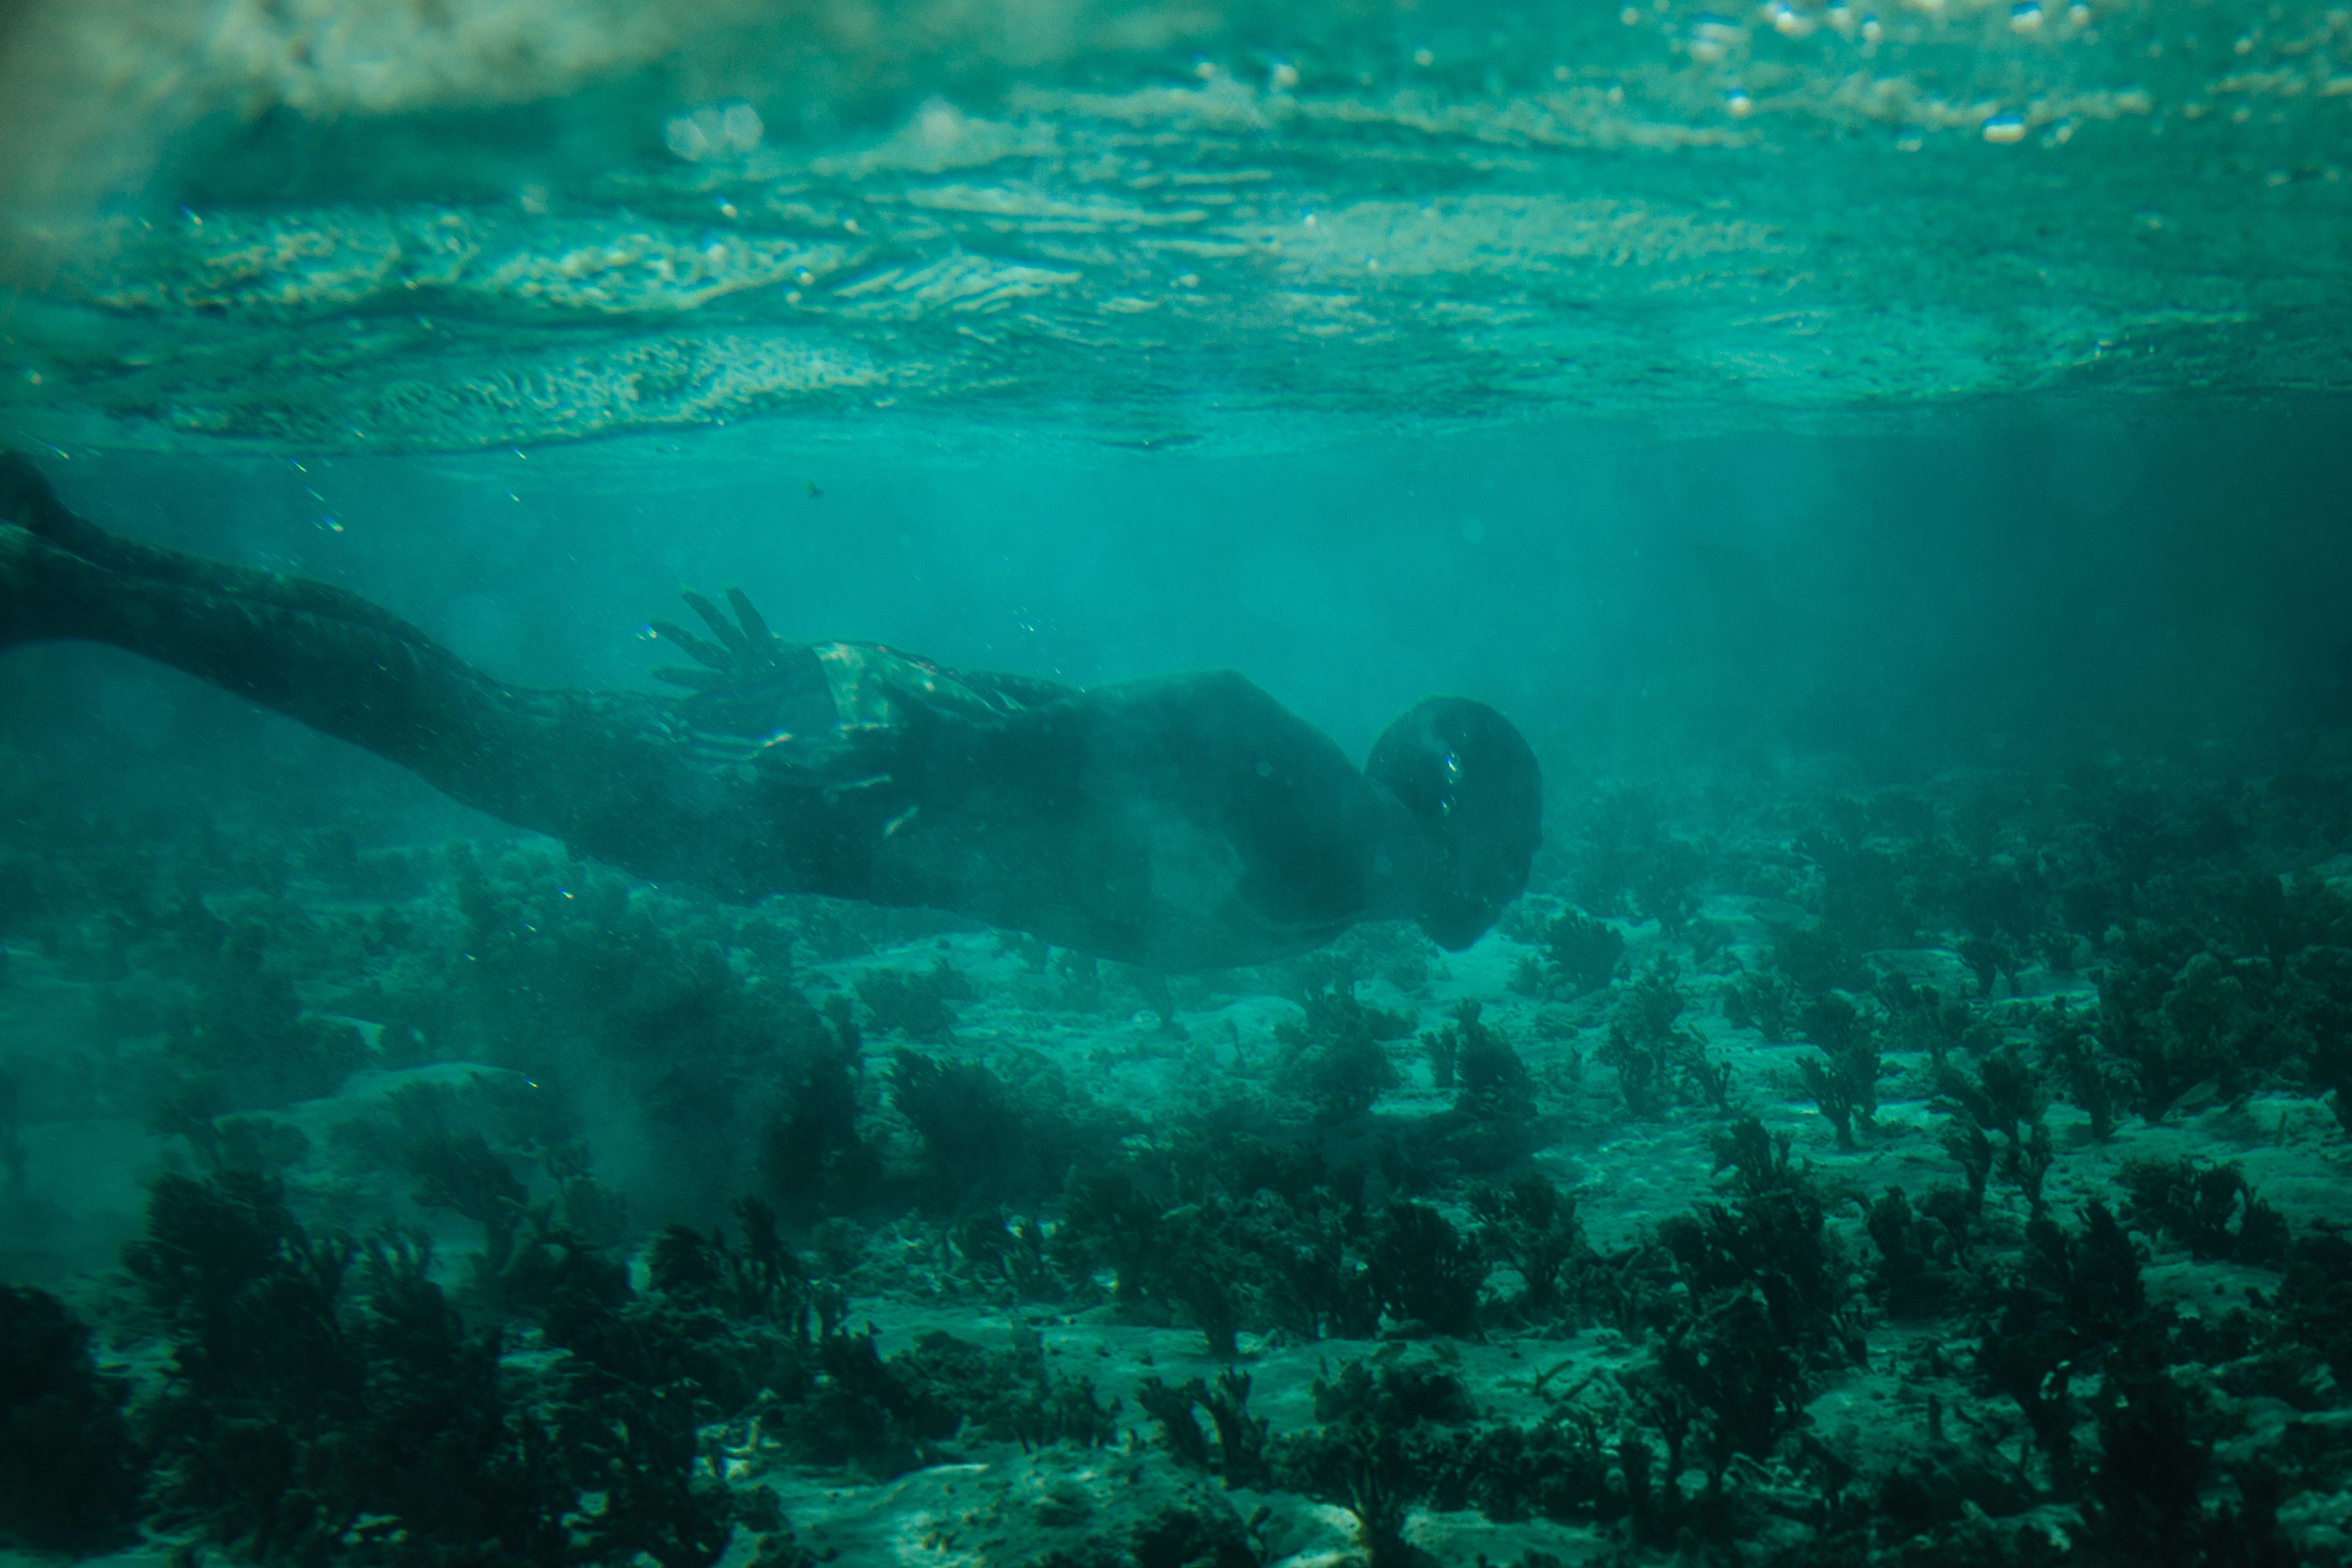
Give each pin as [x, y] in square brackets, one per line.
[1469, 777]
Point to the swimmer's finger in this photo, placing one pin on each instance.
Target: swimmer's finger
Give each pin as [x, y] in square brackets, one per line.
[754, 624]
[734, 640]
[692, 646]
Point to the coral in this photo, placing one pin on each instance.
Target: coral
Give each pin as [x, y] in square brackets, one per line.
[1172, 1409]
[2317, 1002]
[1930, 1492]
[1326, 993]
[1741, 1374]
[1241, 1436]
[1641, 1065]
[1844, 1082]
[1921, 1254]
[1371, 1455]
[2072, 1305]
[1760, 1160]
[2209, 1208]
[1772, 1241]
[1333, 1057]
[1665, 883]
[1425, 1273]
[1526, 976]
[2184, 1018]
[246, 1036]
[1831, 1021]
[1110, 1223]
[1581, 954]
[1990, 960]
[918, 1004]
[1194, 1535]
[863, 1412]
[1489, 1079]
[1556, 1469]
[1643, 1045]
[2288, 915]
[307, 1394]
[813, 1156]
[1626, 850]
[1966, 1143]
[1765, 1003]
[1865, 901]
[996, 1247]
[1763, 1300]
[2315, 1300]
[1009, 1396]
[882, 1417]
[1708, 1079]
[2140, 1504]
[565, 974]
[983, 1139]
[762, 1280]
[2005, 1097]
[73, 1475]
[1921, 1018]
[2029, 1166]
[1813, 959]
[1240, 1456]
[973, 1131]
[630, 1403]
[1220, 1263]
[1532, 1227]
[2071, 1056]
[460, 1147]
[1442, 1046]
[1325, 1281]
[1200, 1276]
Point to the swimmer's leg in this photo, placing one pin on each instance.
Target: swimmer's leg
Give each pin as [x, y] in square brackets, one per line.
[605, 771]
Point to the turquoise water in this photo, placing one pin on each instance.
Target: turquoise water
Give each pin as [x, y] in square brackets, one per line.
[1889, 464]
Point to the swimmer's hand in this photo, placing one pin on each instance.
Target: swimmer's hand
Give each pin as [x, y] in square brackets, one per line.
[748, 657]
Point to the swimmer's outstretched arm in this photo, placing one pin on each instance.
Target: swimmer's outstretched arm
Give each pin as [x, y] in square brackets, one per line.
[609, 772]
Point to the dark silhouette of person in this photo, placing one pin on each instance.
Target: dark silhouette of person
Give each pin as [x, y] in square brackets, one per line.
[1178, 822]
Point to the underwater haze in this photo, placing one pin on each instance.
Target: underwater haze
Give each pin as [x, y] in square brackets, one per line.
[1441, 784]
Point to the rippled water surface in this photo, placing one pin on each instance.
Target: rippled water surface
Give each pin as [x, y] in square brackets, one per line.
[333, 225]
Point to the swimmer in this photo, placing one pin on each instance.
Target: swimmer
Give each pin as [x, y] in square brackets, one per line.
[1178, 822]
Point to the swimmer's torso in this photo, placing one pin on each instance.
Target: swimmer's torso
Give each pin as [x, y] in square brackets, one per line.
[1183, 822]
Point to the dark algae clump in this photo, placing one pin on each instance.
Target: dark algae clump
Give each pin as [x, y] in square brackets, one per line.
[1758, 1228]
[73, 1475]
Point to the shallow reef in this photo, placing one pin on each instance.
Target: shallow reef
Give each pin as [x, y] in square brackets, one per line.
[1945, 1175]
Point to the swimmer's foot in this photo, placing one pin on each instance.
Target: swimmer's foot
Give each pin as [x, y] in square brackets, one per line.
[55, 566]
[26, 500]
[49, 592]
[25, 560]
